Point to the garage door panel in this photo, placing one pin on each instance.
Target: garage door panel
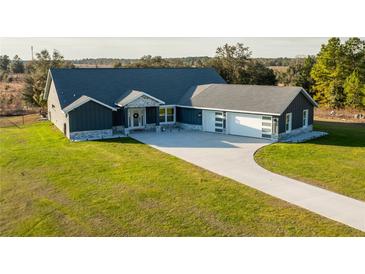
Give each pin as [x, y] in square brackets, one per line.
[244, 124]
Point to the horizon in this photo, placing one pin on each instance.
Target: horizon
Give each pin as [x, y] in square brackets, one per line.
[179, 47]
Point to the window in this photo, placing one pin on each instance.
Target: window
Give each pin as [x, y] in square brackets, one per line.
[167, 114]
[305, 118]
[220, 121]
[162, 115]
[266, 126]
[288, 121]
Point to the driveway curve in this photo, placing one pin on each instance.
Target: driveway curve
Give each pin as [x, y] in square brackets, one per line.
[233, 157]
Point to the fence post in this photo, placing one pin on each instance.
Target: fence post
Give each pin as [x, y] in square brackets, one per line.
[23, 119]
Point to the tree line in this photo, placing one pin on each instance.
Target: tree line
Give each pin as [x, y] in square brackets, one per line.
[233, 63]
[335, 77]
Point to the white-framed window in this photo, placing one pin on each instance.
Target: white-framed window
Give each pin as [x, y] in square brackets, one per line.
[305, 118]
[167, 114]
[288, 122]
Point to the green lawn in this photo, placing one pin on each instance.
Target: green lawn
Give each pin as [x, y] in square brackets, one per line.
[53, 187]
[335, 162]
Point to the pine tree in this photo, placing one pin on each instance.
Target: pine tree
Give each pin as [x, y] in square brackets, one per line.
[17, 65]
[36, 78]
[329, 74]
[354, 91]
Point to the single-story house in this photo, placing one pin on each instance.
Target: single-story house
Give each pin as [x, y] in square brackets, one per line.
[101, 103]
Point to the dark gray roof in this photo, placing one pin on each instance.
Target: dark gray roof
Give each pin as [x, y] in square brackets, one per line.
[250, 98]
[107, 85]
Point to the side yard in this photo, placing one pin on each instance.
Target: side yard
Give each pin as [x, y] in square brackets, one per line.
[335, 162]
[53, 187]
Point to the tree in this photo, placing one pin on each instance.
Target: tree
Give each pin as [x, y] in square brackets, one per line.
[354, 91]
[231, 63]
[35, 80]
[354, 49]
[258, 74]
[335, 64]
[4, 62]
[117, 65]
[17, 65]
[329, 75]
[304, 78]
[298, 74]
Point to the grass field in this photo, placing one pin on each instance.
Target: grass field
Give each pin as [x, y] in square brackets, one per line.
[53, 187]
[335, 162]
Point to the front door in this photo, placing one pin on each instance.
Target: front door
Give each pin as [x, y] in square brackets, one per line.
[136, 117]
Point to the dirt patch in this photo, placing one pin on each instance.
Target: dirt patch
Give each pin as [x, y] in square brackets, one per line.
[340, 115]
[11, 97]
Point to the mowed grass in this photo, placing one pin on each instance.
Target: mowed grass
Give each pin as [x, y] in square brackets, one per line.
[53, 187]
[335, 162]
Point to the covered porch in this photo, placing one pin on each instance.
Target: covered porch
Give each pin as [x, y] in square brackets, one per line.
[138, 110]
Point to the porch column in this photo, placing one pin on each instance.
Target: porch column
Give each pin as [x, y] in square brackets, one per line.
[125, 114]
[157, 116]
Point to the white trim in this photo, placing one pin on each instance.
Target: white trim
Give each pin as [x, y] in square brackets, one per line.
[307, 118]
[166, 107]
[48, 85]
[82, 100]
[141, 93]
[231, 110]
[290, 127]
[130, 118]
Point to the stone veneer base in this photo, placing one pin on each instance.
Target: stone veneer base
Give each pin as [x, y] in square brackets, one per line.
[93, 135]
[283, 136]
[190, 126]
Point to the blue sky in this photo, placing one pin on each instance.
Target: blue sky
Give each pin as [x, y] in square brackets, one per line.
[78, 48]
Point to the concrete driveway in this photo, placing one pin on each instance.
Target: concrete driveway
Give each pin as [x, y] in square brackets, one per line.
[232, 157]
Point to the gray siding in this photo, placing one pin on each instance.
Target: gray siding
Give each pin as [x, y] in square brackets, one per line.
[296, 107]
[151, 114]
[90, 116]
[189, 116]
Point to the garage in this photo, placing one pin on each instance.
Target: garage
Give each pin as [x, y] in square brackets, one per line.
[236, 123]
[245, 124]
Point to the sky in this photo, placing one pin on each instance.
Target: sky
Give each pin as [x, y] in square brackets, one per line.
[78, 48]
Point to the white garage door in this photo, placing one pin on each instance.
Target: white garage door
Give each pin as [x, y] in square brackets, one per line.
[244, 124]
[209, 120]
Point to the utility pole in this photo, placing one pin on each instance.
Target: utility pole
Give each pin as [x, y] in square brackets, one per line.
[31, 49]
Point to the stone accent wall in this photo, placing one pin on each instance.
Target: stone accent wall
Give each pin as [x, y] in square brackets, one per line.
[189, 126]
[118, 129]
[296, 131]
[143, 101]
[91, 135]
[150, 126]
